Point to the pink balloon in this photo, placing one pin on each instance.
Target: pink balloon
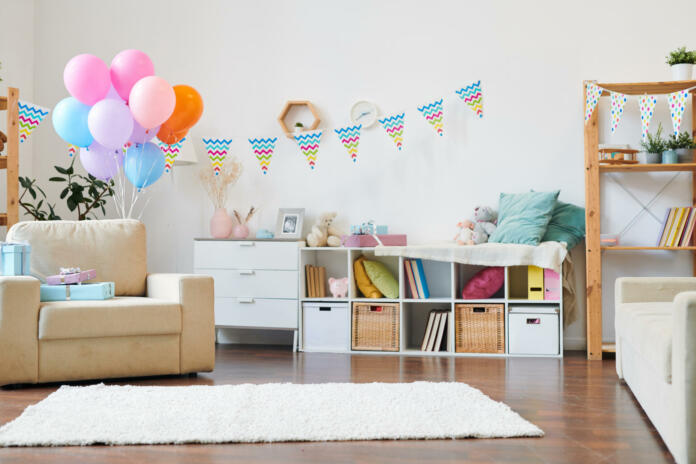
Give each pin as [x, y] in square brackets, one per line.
[101, 162]
[127, 68]
[151, 101]
[142, 135]
[87, 78]
[110, 123]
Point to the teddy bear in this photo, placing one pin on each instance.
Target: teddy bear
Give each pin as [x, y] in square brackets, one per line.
[478, 230]
[465, 233]
[324, 233]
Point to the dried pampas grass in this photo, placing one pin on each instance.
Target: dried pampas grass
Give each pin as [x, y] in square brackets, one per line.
[218, 186]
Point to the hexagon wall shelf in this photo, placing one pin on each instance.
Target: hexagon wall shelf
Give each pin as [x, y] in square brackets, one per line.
[286, 109]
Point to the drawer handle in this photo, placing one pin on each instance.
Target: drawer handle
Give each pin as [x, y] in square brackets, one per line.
[246, 244]
[479, 309]
[247, 272]
[325, 308]
[533, 320]
[246, 300]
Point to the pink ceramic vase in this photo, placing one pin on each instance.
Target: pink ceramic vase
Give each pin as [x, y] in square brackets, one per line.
[240, 231]
[221, 224]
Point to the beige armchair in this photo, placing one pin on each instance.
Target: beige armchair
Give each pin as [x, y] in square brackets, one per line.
[157, 324]
[655, 324]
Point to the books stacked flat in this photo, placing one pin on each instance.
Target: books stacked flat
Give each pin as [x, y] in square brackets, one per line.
[435, 338]
[678, 227]
[415, 279]
[315, 281]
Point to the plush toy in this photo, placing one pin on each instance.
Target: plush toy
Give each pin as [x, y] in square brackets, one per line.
[323, 233]
[478, 230]
[338, 287]
[465, 233]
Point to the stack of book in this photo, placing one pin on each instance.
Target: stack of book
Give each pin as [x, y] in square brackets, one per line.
[678, 227]
[415, 279]
[435, 338]
[315, 281]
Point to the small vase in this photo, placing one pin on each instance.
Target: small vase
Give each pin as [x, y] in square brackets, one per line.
[685, 155]
[682, 71]
[669, 157]
[240, 231]
[648, 158]
[221, 224]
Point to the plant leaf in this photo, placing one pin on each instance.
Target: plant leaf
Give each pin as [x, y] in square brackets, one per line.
[61, 170]
[64, 192]
[56, 179]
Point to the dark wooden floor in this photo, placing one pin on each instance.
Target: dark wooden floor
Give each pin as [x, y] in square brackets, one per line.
[589, 416]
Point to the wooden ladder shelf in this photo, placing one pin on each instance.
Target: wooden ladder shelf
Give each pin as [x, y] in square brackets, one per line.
[10, 161]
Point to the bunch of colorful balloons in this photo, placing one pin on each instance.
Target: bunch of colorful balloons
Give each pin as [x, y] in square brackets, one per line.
[121, 108]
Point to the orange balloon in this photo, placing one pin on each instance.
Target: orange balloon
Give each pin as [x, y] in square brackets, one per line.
[168, 136]
[188, 109]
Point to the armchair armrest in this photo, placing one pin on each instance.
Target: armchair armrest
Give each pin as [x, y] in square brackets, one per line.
[684, 374]
[653, 289]
[19, 328]
[195, 294]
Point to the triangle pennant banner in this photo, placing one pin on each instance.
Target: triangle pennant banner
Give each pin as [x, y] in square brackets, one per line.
[592, 97]
[433, 114]
[263, 149]
[30, 116]
[309, 146]
[170, 153]
[472, 96]
[72, 149]
[217, 152]
[350, 138]
[618, 100]
[677, 103]
[394, 125]
[647, 105]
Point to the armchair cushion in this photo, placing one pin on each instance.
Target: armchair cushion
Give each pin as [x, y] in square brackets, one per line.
[116, 317]
[115, 248]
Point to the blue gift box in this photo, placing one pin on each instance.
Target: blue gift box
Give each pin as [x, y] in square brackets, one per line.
[96, 291]
[15, 258]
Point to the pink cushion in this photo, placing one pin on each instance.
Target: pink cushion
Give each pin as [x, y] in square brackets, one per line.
[484, 284]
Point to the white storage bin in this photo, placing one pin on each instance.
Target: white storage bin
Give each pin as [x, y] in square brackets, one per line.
[325, 326]
[533, 329]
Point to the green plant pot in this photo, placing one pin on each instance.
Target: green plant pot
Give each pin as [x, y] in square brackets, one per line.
[648, 158]
[685, 155]
[669, 157]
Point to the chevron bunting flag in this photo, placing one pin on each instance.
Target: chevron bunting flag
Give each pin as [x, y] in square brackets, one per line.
[170, 153]
[394, 125]
[350, 138]
[677, 103]
[592, 97]
[217, 152]
[433, 114]
[472, 96]
[618, 100]
[647, 105]
[72, 149]
[309, 146]
[30, 116]
[263, 149]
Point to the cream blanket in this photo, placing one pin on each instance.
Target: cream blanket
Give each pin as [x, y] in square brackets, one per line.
[549, 255]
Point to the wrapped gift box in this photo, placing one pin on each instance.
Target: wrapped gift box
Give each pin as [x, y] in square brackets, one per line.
[72, 278]
[15, 258]
[96, 291]
[369, 240]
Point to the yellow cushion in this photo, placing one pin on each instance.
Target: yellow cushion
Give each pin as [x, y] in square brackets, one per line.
[363, 282]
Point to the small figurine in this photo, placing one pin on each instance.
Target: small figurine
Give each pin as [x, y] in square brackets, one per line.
[338, 287]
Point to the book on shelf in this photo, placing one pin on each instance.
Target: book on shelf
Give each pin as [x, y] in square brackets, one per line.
[441, 331]
[436, 330]
[421, 282]
[689, 229]
[410, 279]
[315, 281]
[428, 331]
[677, 228]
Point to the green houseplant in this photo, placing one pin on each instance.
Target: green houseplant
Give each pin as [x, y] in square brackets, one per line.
[653, 146]
[681, 62]
[684, 145]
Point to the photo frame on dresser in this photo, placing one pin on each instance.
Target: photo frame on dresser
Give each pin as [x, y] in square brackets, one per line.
[289, 223]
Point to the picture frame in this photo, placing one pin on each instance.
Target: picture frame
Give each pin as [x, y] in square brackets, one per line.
[289, 223]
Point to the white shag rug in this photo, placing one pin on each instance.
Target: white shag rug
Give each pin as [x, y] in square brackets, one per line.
[128, 415]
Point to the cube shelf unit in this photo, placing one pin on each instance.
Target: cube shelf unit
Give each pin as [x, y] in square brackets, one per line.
[445, 281]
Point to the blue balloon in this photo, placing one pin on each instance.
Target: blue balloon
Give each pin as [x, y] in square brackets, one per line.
[70, 122]
[144, 164]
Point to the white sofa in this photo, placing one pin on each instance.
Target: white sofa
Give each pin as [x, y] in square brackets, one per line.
[655, 323]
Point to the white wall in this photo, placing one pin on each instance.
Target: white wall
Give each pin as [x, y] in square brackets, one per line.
[248, 58]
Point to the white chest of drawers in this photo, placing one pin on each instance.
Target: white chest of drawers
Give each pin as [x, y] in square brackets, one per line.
[256, 281]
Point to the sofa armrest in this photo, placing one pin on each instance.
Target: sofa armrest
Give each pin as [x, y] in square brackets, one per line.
[684, 374]
[195, 295]
[651, 289]
[19, 328]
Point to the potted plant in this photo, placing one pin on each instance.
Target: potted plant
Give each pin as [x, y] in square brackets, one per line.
[299, 127]
[683, 145]
[653, 146]
[682, 63]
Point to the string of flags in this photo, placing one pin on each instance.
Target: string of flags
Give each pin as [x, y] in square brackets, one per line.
[350, 138]
[170, 153]
[675, 100]
[217, 152]
[263, 149]
[30, 116]
[309, 146]
[394, 125]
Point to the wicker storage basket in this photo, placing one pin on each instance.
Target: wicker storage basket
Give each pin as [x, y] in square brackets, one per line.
[479, 328]
[375, 327]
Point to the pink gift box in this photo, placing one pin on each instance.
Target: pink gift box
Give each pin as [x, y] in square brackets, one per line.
[552, 285]
[76, 278]
[369, 240]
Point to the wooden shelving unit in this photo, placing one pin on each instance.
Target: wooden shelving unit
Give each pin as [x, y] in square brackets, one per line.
[593, 169]
[10, 161]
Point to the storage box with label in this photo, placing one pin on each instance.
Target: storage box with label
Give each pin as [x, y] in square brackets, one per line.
[325, 326]
[533, 329]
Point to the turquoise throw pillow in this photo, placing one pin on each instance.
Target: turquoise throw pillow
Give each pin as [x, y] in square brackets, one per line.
[567, 225]
[523, 217]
